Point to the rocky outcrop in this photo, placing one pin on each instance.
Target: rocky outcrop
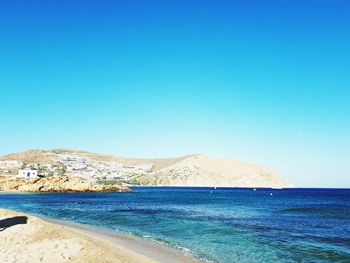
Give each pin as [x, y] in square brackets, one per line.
[56, 184]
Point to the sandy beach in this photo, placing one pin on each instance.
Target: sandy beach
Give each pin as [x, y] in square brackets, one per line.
[27, 238]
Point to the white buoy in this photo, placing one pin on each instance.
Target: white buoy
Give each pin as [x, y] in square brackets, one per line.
[270, 193]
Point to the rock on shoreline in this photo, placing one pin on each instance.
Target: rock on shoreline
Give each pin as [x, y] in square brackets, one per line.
[56, 184]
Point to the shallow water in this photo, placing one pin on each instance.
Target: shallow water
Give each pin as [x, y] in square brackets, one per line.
[218, 225]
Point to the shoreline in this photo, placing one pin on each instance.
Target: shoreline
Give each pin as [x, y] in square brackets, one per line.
[109, 246]
[150, 248]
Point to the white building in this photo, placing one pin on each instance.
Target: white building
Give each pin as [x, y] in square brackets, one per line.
[27, 173]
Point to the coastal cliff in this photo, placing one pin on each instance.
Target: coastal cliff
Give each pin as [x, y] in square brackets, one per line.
[103, 172]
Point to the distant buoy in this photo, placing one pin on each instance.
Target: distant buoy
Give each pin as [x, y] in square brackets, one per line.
[211, 192]
[254, 189]
[270, 193]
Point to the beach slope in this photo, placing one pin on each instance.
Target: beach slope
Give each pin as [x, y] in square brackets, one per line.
[26, 238]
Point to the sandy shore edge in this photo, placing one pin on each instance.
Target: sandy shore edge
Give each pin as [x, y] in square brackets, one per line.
[42, 239]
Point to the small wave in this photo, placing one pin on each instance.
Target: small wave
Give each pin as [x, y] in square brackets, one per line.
[329, 210]
[184, 250]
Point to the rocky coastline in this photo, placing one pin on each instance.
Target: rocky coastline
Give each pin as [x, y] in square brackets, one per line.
[56, 184]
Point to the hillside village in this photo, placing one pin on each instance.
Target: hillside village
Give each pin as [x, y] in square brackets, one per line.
[70, 165]
[191, 170]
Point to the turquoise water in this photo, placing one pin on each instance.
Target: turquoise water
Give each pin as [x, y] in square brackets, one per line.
[218, 225]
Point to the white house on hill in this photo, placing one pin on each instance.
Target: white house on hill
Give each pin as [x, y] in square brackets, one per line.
[27, 173]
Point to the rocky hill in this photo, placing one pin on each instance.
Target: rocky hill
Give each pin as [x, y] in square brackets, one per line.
[192, 170]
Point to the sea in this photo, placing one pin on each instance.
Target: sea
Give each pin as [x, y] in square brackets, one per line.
[213, 224]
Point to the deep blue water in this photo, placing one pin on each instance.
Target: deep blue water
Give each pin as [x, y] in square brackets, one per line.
[219, 225]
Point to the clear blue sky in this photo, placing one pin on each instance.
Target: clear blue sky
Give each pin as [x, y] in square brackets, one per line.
[263, 81]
